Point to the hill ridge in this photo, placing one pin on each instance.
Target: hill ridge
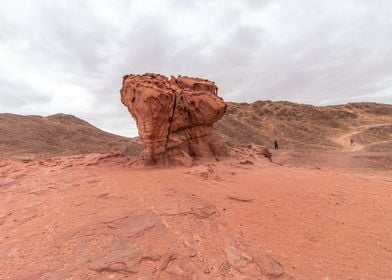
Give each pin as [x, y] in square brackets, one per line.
[57, 135]
[293, 125]
[299, 125]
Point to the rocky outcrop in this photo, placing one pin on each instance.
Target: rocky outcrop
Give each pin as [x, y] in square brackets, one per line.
[174, 117]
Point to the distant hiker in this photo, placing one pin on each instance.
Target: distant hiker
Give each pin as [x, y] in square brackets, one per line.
[352, 143]
[276, 145]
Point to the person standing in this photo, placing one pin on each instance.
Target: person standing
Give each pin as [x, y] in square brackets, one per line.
[276, 145]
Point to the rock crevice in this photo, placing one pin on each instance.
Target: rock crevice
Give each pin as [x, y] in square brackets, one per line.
[171, 120]
[174, 117]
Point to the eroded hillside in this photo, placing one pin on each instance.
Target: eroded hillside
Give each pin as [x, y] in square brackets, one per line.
[60, 134]
[305, 126]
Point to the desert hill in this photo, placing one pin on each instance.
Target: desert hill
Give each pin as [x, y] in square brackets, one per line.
[299, 126]
[60, 134]
[295, 126]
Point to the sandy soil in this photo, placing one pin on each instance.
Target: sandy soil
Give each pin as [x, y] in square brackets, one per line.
[94, 217]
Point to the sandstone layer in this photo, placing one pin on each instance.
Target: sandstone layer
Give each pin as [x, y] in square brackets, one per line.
[174, 117]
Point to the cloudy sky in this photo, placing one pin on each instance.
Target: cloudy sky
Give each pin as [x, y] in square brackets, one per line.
[69, 56]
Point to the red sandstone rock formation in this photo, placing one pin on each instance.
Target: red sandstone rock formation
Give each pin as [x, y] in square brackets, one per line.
[174, 117]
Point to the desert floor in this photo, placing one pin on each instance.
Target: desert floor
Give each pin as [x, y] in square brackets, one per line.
[88, 217]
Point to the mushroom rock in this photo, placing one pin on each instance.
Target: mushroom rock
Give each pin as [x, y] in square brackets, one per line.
[174, 117]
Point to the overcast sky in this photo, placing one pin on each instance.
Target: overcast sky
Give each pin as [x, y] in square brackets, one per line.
[69, 56]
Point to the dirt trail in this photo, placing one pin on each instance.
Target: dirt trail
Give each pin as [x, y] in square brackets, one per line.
[344, 140]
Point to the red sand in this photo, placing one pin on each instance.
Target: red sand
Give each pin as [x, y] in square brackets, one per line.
[92, 218]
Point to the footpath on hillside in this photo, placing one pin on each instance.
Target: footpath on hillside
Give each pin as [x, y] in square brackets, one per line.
[344, 140]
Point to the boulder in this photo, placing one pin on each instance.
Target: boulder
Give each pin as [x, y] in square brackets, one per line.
[174, 117]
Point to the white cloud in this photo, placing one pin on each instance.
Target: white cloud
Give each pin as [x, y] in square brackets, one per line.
[70, 56]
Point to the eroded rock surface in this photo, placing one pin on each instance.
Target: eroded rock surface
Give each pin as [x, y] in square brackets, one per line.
[80, 218]
[174, 117]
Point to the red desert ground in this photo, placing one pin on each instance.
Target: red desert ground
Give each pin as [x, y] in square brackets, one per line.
[201, 193]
